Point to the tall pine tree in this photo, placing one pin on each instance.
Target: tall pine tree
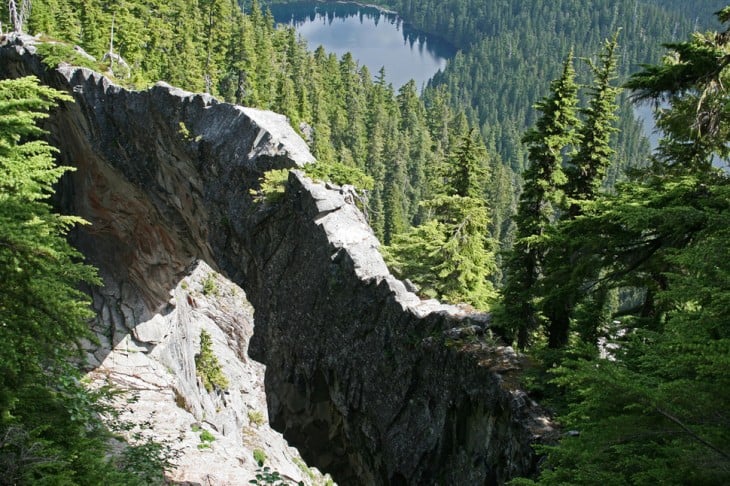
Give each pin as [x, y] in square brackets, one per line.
[548, 142]
[588, 166]
[450, 255]
[585, 172]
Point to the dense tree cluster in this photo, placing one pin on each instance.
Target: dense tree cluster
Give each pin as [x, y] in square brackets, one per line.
[509, 47]
[347, 116]
[617, 285]
[643, 380]
[450, 254]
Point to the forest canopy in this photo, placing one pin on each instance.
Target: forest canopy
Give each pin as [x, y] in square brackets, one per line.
[605, 264]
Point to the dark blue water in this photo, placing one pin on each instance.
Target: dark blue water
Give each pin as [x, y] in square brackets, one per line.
[375, 39]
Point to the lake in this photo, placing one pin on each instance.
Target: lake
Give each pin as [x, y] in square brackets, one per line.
[374, 37]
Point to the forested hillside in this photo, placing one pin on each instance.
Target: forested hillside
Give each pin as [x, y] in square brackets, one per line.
[615, 285]
[622, 296]
[396, 139]
[509, 48]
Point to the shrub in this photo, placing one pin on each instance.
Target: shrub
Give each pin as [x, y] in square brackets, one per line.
[206, 436]
[259, 456]
[340, 174]
[55, 53]
[256, 417]
[207, 366]
[210, 287]
[273, 186]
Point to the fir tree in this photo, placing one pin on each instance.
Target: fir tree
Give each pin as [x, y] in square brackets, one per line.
[49, 422]
[42, 309]
[587, 168]
[652, 409]
[450, 255]
[548, 142]
[585, 172]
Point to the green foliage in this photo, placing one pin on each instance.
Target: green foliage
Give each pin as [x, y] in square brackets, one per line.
[588, 167]
[49, 420]
[553, 137]
[207, 366]
[41, 309]
[464, 173]
[273, 186]
[56, 53]
[186, 135]
[490, 74]
[691, 78]
[659, 401]
[586, 170]
[256, 417]
[210, 286]
[507, 51]
[651, 409]
[450, 255]
[340, 174]
[393, 138]
[206, 436]
[265, 476]
[361, 132]
[146, 461]
[206, 439]
[259, 456]
[541, 287]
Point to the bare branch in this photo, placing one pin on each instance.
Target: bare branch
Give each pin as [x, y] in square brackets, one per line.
[691, 433]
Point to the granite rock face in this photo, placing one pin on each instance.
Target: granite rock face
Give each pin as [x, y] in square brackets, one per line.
[213, 434]
[374, 385]
[369, 382]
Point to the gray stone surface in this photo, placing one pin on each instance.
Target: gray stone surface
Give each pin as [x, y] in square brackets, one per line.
[369, 382]
[159, 372]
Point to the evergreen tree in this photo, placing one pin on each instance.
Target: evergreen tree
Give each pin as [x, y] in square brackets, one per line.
[354, 137]
[691, 79]
[42, 310]
[419, 143]
[585, 172]
[49, 423]
[466, 168]
[589, 165]
[450, 255]
[395, 221]
[652, 409]
[548, 142]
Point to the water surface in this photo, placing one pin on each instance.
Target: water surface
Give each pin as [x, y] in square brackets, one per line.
[375, 38]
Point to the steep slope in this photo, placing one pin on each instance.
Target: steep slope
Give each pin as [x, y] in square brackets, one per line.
[372, 384]
[213, 436]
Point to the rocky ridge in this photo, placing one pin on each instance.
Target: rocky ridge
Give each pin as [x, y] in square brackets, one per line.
[372, 384]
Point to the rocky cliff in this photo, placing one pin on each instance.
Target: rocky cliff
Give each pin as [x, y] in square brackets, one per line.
[369, 382]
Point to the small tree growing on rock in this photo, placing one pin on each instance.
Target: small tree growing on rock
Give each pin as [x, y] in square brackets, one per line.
[207, 366]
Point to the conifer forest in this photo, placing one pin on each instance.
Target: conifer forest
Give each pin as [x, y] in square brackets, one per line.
[518, 182]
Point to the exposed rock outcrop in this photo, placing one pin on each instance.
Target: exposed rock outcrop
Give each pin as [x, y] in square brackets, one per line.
[211, 435]
[372, 384]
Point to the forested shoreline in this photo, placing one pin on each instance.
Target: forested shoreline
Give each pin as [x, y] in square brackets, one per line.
[535, 200]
